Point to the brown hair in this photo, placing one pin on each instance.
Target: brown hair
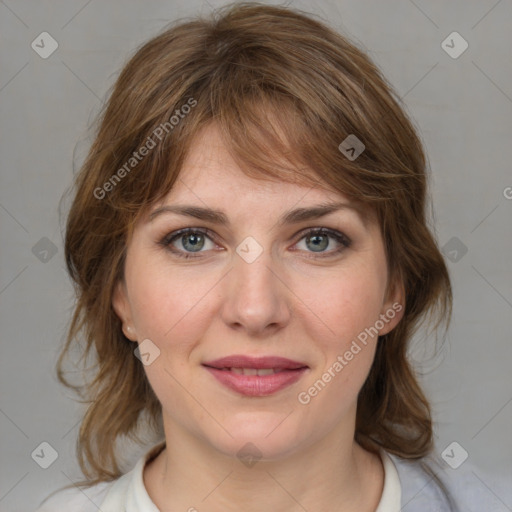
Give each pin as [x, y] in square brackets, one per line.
[257, 71]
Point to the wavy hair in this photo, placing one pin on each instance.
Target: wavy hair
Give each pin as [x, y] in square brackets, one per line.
[281, 86]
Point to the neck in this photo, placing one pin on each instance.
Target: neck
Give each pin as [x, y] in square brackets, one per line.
[331, 474]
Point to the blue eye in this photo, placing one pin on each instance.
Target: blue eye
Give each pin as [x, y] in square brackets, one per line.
[190, 239]
[320, 238]
[193, 240]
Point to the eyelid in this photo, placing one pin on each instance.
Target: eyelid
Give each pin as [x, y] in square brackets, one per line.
[334, 233]
[168, 238]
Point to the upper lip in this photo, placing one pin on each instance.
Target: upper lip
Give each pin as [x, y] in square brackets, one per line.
[241, 361]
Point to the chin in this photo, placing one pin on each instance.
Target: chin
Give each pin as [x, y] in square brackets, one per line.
[266, 438]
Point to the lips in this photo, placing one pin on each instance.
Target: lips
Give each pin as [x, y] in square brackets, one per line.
[253, 376]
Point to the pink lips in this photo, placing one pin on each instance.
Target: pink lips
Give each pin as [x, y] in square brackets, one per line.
[287, 373]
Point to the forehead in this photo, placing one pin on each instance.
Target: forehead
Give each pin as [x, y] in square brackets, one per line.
[209, 170]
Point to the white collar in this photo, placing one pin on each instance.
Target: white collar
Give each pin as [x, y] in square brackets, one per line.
[390, 500]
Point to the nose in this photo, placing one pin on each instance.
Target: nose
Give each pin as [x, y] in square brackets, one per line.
[257, 297]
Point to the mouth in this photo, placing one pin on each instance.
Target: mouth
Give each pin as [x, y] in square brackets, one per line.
[256, 376]
[256, 371]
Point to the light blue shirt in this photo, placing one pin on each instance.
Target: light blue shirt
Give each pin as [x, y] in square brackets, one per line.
[465, 490]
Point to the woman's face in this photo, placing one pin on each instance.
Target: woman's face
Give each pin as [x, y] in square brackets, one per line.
[256, 285]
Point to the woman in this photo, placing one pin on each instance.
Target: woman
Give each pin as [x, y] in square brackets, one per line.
[251, 256]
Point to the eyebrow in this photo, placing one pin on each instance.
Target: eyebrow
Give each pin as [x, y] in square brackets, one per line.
[290, 217]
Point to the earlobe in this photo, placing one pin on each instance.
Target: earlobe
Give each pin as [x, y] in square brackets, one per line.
[131, 334]
[393, 309]
[122, 310]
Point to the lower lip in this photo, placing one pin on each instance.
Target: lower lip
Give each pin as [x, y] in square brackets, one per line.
[257, 385]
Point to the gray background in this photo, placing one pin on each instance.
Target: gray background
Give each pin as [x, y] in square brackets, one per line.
[462, 107]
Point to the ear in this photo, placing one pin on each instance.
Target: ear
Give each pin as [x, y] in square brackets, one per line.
[122, 309]
[393, 307]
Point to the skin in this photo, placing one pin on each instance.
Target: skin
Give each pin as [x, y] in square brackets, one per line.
[292, 302]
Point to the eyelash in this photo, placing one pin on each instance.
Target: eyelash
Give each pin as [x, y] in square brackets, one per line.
[345, 242]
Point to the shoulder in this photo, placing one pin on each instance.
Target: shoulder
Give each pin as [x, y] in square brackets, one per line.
[429, 482]
[75, 499]
[127, 491]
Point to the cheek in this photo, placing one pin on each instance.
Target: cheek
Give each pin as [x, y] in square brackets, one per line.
[341, 305]
[173, 315]
[341, 311]
[169, 308]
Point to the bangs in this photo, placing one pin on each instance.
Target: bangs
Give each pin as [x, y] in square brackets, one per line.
[266, 136]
